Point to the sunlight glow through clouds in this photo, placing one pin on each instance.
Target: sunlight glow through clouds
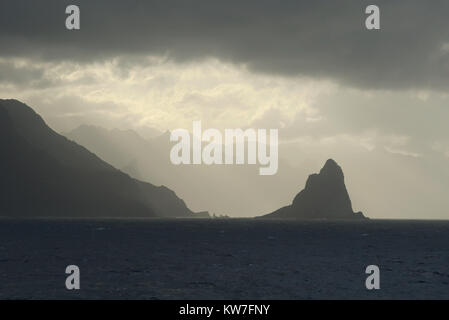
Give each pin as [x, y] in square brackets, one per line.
[318, 119]
[166, 95]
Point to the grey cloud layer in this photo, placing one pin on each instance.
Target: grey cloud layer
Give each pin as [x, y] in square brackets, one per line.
[324, 39]
[23, 77]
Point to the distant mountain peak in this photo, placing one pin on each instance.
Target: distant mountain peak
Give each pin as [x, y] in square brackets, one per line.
[324, 197]
[331, 164]
[331, 168]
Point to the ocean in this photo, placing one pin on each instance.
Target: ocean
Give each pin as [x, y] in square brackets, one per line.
[223, 259]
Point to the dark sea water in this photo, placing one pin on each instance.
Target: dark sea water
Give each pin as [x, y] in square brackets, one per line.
[223, 259]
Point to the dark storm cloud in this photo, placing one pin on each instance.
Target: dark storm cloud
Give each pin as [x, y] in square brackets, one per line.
[324, 39]
[23, 76]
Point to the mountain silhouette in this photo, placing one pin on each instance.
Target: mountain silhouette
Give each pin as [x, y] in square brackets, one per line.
[324, 197]
[45, 174]
[149, 160]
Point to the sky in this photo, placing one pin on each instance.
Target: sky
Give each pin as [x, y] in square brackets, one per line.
[375, 100]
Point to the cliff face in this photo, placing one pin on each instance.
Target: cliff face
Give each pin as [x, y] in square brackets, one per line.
[324, 197]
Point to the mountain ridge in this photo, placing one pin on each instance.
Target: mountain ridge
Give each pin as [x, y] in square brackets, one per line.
[46, 174]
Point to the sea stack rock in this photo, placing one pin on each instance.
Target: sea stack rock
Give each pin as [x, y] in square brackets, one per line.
[324, 197]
